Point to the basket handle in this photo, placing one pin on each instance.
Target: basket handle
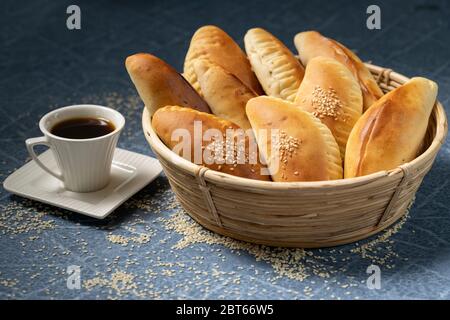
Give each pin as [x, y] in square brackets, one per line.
[384, 76]
[387, 212]
[200, 175]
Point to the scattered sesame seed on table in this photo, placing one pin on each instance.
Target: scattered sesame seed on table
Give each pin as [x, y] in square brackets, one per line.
[149, 248]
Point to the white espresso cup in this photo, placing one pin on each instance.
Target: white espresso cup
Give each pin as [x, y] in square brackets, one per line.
[84, 164]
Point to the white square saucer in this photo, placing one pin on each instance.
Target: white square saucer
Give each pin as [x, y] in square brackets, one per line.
[130, 172]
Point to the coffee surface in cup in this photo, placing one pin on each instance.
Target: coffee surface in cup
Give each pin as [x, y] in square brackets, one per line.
[83, 128]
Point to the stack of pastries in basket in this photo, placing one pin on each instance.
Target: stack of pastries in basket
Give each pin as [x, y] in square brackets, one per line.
[320, 117]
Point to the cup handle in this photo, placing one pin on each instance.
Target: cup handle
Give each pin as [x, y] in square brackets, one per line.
[30, 143]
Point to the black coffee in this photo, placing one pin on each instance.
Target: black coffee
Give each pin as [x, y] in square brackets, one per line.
[82, 128]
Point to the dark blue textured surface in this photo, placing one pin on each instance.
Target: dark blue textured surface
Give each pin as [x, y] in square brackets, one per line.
[148, 248]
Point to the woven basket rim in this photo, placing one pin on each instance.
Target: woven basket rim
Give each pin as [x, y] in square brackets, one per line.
[216, 176]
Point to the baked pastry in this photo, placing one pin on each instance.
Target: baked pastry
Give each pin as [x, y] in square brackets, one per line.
[330, 92]
[391, 132]
[311, 44]
[224, 92]
[214, 44]
[295, 144]
[159, 85]
[278, 71]
[237, 155]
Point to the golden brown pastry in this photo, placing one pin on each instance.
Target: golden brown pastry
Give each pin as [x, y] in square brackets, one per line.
[278, 71]
[303, 148]
[212, 43]
[311, 44]
[213, 152]
[330, 92]
[159, 85]
[391, 132]
[224, 92]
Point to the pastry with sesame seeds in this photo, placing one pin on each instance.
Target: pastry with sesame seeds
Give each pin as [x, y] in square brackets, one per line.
[277, 69]
[331, 93]
[159, 85]
[212, 142]
[295, 144]
[214, 44]
[224, 92]
[391, 132]
[311, 44]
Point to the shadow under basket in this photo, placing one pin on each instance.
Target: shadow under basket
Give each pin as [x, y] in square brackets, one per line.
[301, 214]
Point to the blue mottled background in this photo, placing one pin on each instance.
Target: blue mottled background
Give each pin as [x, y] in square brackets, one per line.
[149, 248]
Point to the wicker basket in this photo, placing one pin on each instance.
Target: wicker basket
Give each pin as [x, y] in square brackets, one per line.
[300, 214]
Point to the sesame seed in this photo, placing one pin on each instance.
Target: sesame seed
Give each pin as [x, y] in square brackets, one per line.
[287, 146]
[326, 103]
